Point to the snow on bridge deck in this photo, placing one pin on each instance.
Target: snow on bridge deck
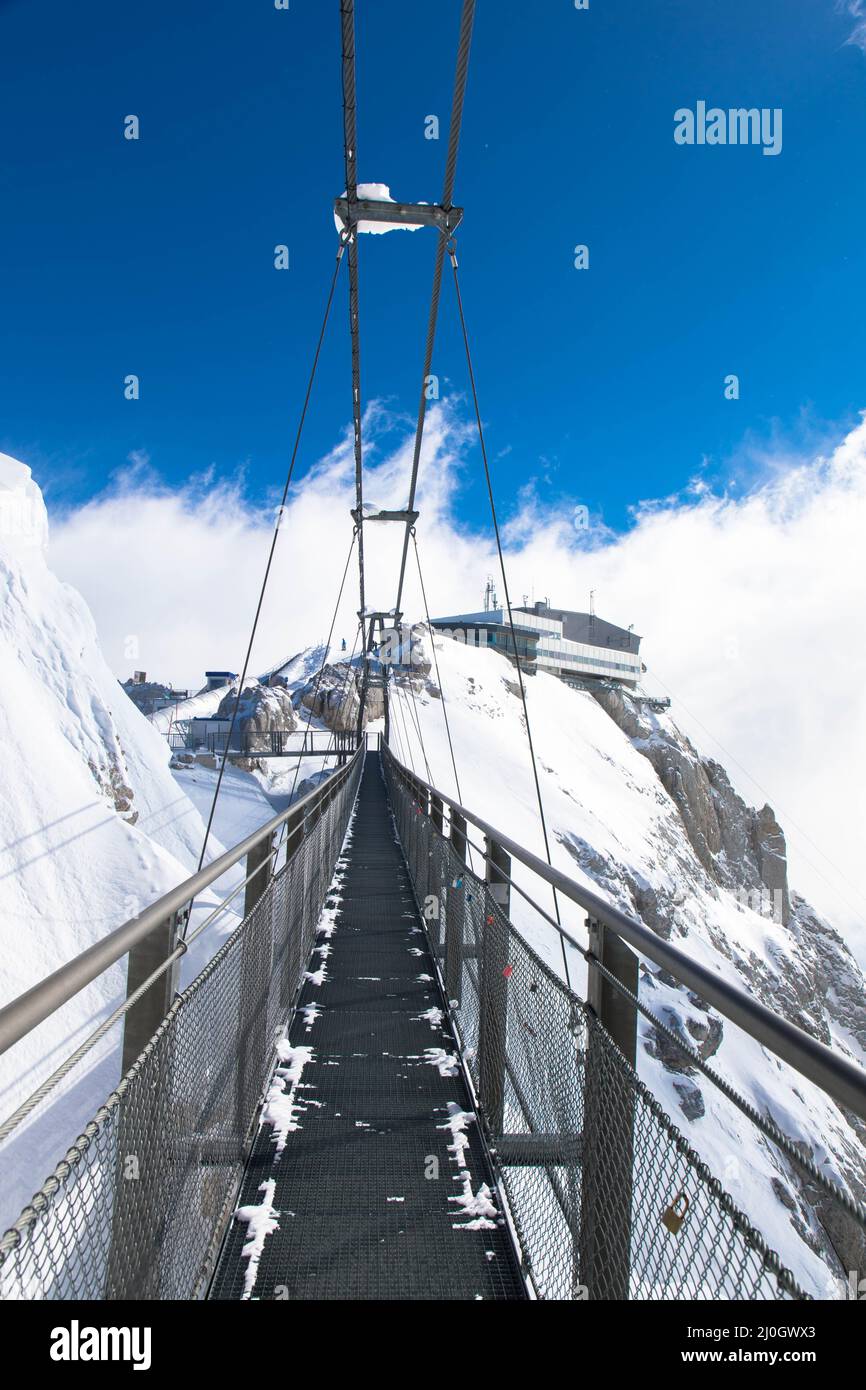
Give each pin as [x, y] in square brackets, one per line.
[341, 1197]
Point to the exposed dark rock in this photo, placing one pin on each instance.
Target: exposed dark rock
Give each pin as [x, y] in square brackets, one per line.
[706, 1035]
[310, 784]
[262, 710]
[742, 850]
[691, 1099]
[335, 697]
[109, 778]
[845, 1234]
[654, 908]
[829, 978]
[664, 1049]
[150, 695]
[810, 982]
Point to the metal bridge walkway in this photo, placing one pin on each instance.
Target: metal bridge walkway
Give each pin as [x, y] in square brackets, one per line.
[361, 1213]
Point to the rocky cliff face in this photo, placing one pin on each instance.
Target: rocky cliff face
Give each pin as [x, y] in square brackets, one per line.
[263, 710]
[634, 811]
[816, 985]
[743, 852]
[334, 696]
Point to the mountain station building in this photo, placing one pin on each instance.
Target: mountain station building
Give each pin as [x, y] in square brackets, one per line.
[579, 648]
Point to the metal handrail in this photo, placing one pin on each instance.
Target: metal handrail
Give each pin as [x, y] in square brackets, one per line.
[814, 1060]
[25, 1013]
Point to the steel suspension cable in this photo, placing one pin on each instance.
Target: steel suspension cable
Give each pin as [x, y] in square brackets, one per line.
[331, 748]
[402, 742]
[406, 738]
[325, 655]
[453, 257]
[461, 74]
[274, 539]
[350, 149]
[394, 732]
[398, 743]
[417, 722]
[344, 683]
[441, 686]
[331, 745]
[436, 664]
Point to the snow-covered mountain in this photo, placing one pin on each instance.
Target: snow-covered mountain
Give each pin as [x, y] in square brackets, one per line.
[633, 810]
[92, 827]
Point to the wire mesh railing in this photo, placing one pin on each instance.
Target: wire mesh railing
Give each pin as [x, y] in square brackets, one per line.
[270, 743]
[606, 1195]
[137, 1206]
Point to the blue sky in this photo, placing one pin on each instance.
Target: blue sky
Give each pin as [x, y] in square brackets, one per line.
[601, 387]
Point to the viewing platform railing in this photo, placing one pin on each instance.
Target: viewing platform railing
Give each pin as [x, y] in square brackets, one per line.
[137, 1207]
[608, 1197]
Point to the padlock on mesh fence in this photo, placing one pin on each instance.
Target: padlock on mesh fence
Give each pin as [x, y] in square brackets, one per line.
[674, 1215]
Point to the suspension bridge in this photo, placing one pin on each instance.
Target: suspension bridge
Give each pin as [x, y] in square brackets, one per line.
[376, 1088]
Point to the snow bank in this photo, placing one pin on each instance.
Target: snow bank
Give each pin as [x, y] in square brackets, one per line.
[614, 827]
[92, 826]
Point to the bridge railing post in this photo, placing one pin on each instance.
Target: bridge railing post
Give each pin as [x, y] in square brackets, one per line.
[436, 882]
[419, 795]
[455, 907]
[147, 1013]
[603, 1251]
[257, 948]
[292, 904]
[497, 874]
[311, 867]
[294, 834]
[259, 864]
[134, 1199]
[492, 1034]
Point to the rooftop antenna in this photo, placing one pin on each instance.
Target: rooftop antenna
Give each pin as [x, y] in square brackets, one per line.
[592, 608]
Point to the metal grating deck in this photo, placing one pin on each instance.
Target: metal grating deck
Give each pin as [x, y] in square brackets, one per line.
[361, 1213]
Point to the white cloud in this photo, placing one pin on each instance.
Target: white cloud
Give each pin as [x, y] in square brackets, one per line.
[751, 609]
[857, 10]
[173, 575]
